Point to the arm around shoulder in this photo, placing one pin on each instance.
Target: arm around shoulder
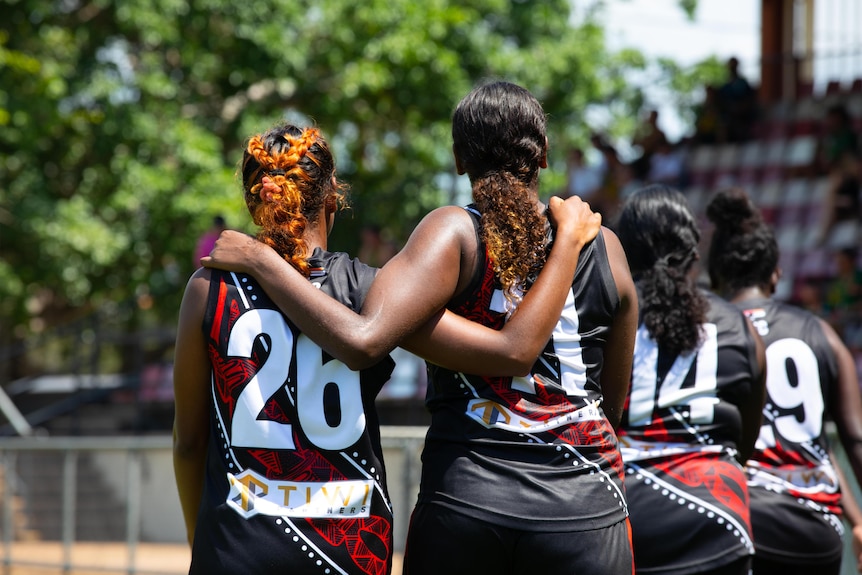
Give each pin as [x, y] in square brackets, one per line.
[400, 300]
[461, 345]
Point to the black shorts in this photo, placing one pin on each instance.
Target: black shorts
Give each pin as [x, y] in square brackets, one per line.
[441, 541]
[763, 566]
[794, 531]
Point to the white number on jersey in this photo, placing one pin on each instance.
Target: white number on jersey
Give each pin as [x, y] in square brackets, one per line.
[567, 346]
[314, 381]
[700, 398]
[781, 355]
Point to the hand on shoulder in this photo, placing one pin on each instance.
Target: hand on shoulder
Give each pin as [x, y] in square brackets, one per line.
[574, 220]
[236, 251]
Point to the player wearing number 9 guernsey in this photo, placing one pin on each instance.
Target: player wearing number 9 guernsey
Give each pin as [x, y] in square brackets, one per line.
[693, 408]
[811, 375]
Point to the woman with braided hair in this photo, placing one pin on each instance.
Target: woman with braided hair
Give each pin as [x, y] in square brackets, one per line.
[693, 408]
[277, 451]
[520, 474]
[794, 483]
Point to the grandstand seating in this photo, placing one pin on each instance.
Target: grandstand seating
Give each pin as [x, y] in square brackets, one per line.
[775, 168]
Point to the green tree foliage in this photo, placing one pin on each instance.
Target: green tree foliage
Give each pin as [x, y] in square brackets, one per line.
[122, 123]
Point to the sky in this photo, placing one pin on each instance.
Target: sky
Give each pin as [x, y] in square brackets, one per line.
[728, 28]
[723, 28]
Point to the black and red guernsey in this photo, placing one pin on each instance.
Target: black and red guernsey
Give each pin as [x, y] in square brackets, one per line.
[795, 495]
[295, 480]
[681, 427]
[533, 453]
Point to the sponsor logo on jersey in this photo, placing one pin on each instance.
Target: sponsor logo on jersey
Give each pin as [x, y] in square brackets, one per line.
[494, 415]
[252, 494]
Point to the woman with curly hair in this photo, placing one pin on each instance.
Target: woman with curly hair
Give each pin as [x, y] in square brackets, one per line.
[693, 409]
[520, 474]
[794, 483]
[269, 431]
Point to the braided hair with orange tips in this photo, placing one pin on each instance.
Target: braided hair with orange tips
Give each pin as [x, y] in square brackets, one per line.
[288, 173]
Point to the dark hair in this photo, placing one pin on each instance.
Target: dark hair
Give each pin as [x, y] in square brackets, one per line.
[743, 251]
[301, 168]
[660, 237]
[499, 138]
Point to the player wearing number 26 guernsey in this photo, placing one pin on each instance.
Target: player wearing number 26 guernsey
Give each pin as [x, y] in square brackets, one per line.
[295, 462]
[693, 408]
[277, 453]
[811, 377]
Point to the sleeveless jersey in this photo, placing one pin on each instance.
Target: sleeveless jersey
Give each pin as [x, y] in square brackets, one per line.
[681, 426]
[295, 481]
[534, 453]
[794, 489]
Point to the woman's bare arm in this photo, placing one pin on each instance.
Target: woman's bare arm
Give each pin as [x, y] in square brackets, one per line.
[412, 289]
[191, 400]
[456, 343]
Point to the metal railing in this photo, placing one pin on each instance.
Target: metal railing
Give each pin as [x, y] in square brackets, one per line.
[151, 506]
[147, 476]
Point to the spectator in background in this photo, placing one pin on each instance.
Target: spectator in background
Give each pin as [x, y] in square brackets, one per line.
[206, 242]
[837, 158]
[843, 297]
[581, 179]
[843, 209]
[708, 128]
[615, 176]
[649, 138]
[839, 143]
[668, 165]
[736, 104]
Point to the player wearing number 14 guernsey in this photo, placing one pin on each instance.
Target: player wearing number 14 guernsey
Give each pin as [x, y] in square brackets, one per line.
[295, 462]
[693, 408]
[679, 437]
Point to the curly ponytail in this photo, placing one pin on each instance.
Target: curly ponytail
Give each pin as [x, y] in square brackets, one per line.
[513, 231]
[498, 133]
[295, 169]
[660, 237]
